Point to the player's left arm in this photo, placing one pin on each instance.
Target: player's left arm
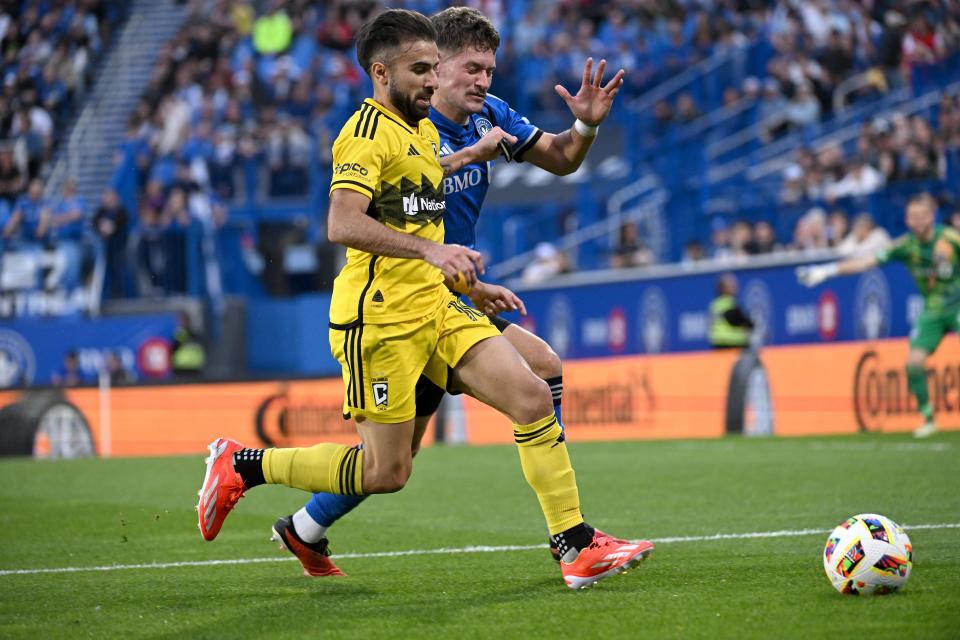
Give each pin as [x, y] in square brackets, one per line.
[563, 153]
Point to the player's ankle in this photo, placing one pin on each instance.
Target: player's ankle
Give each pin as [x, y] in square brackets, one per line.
[249, 464]
[571, 541]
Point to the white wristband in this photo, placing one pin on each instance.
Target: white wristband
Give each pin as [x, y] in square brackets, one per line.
[584, 129]
[831, 269]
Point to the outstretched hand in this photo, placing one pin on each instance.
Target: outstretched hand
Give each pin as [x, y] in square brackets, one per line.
[592, 103]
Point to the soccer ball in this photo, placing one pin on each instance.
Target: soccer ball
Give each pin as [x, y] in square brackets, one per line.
[868, 554]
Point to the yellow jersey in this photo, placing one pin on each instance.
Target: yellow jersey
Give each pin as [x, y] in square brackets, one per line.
[398, 167]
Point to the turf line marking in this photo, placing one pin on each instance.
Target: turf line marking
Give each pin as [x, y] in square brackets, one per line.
[443, 551]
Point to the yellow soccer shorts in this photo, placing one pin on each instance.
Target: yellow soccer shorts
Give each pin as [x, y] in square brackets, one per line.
[382, 362]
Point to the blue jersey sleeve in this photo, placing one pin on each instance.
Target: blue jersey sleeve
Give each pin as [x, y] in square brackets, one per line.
[513, 123]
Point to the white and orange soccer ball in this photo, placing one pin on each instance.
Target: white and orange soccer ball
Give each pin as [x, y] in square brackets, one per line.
[868, 554]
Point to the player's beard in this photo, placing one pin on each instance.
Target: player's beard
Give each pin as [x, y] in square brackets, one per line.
[407, 104]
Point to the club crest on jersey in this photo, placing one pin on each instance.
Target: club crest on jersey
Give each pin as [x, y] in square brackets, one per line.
[483, 126]
[380, 395]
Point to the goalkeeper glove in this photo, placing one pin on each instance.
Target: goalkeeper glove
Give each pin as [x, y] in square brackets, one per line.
[814, 274]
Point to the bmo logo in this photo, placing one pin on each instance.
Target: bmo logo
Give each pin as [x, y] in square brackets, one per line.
[153, 358]
[828, 315]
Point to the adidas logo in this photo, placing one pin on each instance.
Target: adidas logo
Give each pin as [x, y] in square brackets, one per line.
[378, 297]
[412, 152]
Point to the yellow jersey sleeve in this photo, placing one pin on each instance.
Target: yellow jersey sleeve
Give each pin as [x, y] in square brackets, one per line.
[358, 162]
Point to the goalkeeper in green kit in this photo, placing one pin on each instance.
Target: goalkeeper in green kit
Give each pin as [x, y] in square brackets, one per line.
[932, 253]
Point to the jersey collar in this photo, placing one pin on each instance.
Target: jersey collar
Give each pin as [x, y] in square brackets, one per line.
[443, 121]
[390, 114]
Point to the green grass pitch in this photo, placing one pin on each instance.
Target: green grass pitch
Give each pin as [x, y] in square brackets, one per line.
[141, 511]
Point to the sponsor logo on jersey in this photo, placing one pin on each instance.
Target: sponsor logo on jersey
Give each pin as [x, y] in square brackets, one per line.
[414, 204]
[351, 167]
[462, 181]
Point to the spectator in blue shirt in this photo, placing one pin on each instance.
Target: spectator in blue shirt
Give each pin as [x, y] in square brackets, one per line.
[69, 218]
[30, 220]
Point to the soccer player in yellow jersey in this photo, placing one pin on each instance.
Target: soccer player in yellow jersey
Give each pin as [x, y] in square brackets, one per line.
[392, 318]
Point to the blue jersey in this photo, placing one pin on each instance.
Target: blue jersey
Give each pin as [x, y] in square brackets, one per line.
[465, 190]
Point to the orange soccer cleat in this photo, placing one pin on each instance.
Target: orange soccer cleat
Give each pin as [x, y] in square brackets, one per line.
[313, 556]
[222, 487]
[555, 550]
[604, 557]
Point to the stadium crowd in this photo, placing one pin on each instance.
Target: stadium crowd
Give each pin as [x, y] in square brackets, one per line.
[244, 102]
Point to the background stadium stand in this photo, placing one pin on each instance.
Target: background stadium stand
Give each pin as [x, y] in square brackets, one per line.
[198, 136]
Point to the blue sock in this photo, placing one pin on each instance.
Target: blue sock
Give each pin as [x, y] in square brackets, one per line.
[327, 508]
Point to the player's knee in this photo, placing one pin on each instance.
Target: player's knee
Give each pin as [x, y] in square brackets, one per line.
[387, 478]
[535, 401]
[547, 363]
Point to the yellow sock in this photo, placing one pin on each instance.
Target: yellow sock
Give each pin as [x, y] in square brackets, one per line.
[330, 468]
[546, 466]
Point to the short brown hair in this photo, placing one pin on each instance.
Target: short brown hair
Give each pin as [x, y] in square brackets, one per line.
[390, 29]
[462, 27]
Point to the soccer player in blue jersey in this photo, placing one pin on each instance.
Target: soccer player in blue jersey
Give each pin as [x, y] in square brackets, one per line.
[475, 128]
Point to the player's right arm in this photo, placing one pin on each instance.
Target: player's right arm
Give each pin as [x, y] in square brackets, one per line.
[348, 224]
[489, 147]
[814, 274]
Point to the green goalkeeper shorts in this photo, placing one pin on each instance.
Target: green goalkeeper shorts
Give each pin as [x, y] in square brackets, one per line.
[931, 327]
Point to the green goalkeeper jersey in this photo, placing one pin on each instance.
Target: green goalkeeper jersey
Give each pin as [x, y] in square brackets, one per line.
[934, 265]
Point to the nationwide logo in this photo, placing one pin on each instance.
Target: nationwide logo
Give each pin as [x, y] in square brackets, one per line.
[409, 203]
[412, 205]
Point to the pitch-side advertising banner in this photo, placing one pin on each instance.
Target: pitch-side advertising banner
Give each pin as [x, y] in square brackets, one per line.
[841, 388]
[183, 419]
